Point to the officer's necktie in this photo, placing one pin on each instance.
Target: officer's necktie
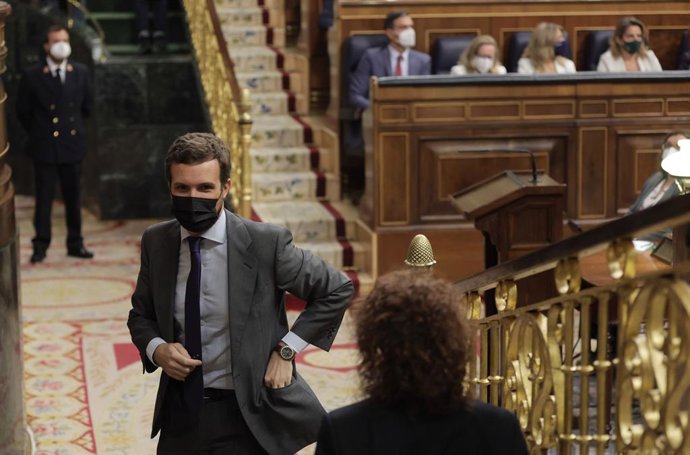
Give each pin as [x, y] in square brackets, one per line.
[194, 383]
[57, 80]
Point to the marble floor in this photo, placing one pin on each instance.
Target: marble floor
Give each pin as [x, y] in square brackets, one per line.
[84, 388]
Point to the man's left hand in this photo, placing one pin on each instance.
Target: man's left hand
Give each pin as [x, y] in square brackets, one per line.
[278, 372]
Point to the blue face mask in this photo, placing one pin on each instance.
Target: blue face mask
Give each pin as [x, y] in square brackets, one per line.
[560, 49]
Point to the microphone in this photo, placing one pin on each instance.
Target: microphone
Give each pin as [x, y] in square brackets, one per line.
[533, 161]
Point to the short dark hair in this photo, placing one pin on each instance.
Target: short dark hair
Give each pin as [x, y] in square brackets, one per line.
[52, 29]
[194, 148]
[413, 338]
[389, 21]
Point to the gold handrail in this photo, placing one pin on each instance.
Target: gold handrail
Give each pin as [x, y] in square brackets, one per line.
[601, 370]
[228, 106]
[97, 25]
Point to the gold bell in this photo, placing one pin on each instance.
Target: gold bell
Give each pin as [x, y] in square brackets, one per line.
[420, 253]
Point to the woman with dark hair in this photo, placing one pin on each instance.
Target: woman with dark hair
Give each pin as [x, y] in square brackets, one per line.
[412, 335]
[629, 50]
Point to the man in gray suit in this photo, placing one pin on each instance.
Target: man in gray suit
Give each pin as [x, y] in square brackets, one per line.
[396, 59]
[209, 309]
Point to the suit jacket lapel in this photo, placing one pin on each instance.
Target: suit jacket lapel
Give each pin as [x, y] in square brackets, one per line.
[168, 259]
[242, 273]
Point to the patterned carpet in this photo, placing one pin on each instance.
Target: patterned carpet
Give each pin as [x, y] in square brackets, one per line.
[84, 388]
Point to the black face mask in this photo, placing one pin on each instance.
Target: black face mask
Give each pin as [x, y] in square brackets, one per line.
[195, 214]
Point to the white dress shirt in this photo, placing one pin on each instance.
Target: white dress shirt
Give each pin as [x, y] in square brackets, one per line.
[52, 66]
[562, 64]
[404, 64]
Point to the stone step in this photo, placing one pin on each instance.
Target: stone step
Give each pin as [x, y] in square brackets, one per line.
[270, 103]
[253, 58]
[293, 159]
[310, 220]
[261, 81]
[268, 4]
[277, 131]
[237, 17]
[290, 186]
[254, 35]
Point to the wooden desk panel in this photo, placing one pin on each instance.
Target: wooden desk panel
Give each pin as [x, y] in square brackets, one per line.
[600, 135]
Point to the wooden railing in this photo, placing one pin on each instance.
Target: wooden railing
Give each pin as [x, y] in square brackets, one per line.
[228, 105]
[598, 370]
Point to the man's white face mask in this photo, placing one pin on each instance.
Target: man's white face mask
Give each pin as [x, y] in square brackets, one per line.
[60, 50]
[407, 38]
[482, 64]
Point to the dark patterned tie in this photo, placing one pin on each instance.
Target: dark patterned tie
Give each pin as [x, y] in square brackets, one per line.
[194, 383]
[57, 81]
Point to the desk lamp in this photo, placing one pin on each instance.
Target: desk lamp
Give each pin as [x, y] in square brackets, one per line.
[678, 165]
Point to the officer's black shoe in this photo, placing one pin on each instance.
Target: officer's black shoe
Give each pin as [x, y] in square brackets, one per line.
[80, 252]
[38, 256]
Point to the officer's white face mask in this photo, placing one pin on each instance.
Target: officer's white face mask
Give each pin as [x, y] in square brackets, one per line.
[407, 38]
[60, 50]
[668, 151]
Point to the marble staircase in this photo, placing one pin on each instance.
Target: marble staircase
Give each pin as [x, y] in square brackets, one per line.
[295, 158]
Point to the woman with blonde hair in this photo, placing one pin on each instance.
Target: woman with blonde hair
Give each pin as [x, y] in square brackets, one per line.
[544, 52]
[480, 57]
[412, 334]
[628, 50]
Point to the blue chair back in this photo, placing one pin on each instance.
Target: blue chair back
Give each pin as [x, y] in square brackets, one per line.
[596, 43]
[446, 51]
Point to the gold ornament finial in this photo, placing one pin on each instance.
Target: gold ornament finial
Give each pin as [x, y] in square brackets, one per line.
[420, 253]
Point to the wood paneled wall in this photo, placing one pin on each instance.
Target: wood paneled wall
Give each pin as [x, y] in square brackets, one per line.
[433, 19]
[427, 140]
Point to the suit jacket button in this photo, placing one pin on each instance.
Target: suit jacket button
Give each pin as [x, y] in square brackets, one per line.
[55, 120]
[73, 132]
[56, 133]
[52, 107]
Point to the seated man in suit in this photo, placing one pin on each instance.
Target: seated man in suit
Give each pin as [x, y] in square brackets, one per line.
[396, 59]
[413, 336]
[659, 186]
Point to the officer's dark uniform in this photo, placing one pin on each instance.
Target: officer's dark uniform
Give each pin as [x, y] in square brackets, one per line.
[53, 114]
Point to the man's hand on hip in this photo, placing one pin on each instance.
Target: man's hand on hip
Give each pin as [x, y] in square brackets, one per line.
[278, 372]
[175, 360]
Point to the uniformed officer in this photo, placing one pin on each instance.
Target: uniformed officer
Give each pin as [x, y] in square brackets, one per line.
[53, 100]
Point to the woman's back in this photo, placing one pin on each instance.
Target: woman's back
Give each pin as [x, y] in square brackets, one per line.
[366, 428]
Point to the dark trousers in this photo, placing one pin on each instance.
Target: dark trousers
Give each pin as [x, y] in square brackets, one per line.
[160, 12]
[46, 177]
[219, 429]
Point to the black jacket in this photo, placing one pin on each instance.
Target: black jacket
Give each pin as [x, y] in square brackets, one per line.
[365, 428]
[52, 116]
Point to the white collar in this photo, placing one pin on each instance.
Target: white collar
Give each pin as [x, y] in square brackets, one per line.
[394, 52]
[53, 66]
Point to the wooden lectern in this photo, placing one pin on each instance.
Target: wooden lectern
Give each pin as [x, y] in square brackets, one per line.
[516, 216]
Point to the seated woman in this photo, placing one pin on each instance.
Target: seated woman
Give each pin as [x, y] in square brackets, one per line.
[413, 338]
[544, 52]
[628, 50]
[480, 57]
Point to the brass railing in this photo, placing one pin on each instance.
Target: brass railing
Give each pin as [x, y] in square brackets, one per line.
[601, 370]
[228, 105]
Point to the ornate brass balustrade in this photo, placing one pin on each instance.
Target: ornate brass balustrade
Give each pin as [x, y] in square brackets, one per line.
[600, 370]
[228, 106]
